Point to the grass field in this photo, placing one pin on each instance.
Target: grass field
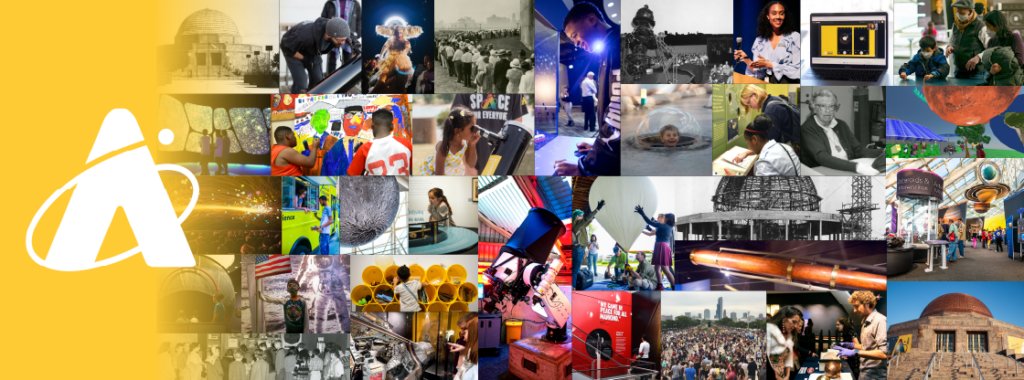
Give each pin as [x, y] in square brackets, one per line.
[989, 153]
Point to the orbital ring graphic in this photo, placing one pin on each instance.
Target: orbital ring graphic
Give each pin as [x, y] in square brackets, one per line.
[126, 254]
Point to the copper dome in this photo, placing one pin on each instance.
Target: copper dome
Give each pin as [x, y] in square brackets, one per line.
[956, 303]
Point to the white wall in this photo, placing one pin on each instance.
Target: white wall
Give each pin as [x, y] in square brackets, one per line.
[458, 189]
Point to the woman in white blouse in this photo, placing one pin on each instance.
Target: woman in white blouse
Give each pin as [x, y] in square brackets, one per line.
[776, 50]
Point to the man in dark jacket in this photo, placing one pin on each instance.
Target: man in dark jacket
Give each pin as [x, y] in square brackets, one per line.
[829, 142]
[351, 12]
[501, 71]
[586, 27]
[305, 43]
[968, 39]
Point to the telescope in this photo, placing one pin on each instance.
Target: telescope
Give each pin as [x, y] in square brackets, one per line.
[508, 148]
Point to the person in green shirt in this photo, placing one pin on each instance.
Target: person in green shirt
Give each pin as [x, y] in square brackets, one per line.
[580, 238]
[619, 261]
[643, 278]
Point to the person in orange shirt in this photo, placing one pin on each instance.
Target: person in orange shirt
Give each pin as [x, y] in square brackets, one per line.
[284, 159]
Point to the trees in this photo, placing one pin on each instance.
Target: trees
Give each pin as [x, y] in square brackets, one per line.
[972, 134]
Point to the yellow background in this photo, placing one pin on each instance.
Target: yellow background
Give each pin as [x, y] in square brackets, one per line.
[1015, 343]
[828, 40]
[67, 65]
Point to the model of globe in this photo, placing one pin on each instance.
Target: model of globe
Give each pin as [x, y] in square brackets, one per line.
[969, 105]
[988, 173]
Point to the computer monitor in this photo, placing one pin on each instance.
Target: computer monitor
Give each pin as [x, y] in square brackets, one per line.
[851, 40]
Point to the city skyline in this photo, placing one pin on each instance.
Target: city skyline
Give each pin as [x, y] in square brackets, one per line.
[679, 303]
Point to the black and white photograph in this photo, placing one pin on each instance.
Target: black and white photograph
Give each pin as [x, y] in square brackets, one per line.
[198, 356]
[295, 294]
[779, 208]
[483, 49]
[677, 42]
[217, 47]
[843, 130]
[306, 27]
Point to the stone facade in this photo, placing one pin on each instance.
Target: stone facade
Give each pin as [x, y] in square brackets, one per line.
[924, 331]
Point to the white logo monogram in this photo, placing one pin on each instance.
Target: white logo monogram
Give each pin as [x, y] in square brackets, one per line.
[129, 180]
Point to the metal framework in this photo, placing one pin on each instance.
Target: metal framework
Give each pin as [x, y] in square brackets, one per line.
[766, 193]
[857, 214]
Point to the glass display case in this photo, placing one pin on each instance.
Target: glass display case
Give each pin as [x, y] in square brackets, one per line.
[667, 129]
[918, 217]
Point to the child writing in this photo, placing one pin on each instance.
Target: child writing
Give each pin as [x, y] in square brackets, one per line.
[669, 135]
[456, 152]
[662, 255]
[439, 208]
[387, 154]
[407, 290]
[926, 64]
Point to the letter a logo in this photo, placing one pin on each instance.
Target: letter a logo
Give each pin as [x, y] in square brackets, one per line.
[129, 180]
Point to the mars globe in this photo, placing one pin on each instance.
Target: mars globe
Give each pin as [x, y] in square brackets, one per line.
[968, 105]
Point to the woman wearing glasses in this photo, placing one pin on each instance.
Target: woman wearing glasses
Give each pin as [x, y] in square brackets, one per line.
[785, 119]
[829, 142]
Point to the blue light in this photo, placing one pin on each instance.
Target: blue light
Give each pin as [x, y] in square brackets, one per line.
[598, 46]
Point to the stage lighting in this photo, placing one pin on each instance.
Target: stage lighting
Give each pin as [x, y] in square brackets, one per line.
[598, 46]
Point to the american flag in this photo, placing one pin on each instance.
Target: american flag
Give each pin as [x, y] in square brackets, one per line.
[269, 265]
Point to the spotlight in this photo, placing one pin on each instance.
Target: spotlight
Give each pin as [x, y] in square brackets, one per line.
[598, 47]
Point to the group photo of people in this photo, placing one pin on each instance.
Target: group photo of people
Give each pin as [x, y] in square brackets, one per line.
[728, 345]
[254, 357]
[483, 50]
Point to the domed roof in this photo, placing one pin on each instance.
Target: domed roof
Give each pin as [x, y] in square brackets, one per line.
[208, 21]
[956, 303]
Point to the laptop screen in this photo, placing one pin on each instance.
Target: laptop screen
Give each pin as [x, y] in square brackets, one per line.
[849, 39]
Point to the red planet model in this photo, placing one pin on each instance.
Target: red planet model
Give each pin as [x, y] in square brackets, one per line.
[969, 105]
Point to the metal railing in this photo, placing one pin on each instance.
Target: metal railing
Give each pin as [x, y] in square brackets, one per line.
[1016, 365]
[976, 369]
[630, 367]
[928, 372]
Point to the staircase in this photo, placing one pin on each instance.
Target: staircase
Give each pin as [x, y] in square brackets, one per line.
[954, 366]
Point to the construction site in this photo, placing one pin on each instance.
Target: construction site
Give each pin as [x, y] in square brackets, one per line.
[781, 208]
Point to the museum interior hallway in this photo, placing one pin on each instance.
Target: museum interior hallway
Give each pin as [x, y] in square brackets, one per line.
[979, 263]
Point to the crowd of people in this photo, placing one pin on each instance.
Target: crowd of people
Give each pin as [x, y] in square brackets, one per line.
[260, 362]
[234, 242]
[483, 67]
[713, 353]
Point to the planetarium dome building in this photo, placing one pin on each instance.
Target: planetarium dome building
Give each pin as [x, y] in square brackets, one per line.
[208, 44]
[958, 322]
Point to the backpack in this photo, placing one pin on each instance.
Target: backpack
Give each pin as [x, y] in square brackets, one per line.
[794, 114]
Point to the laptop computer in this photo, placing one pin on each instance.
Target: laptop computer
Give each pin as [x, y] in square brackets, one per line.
[849, 46]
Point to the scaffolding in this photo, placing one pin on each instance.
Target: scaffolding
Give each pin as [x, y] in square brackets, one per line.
[775, 193]
[857, 213]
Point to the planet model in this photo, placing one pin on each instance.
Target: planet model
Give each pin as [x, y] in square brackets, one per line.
[969, 105]
[367, 207]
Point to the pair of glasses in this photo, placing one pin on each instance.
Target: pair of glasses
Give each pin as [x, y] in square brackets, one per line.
[825, 107]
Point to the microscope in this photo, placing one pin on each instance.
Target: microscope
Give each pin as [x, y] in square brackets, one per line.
[521, 273]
